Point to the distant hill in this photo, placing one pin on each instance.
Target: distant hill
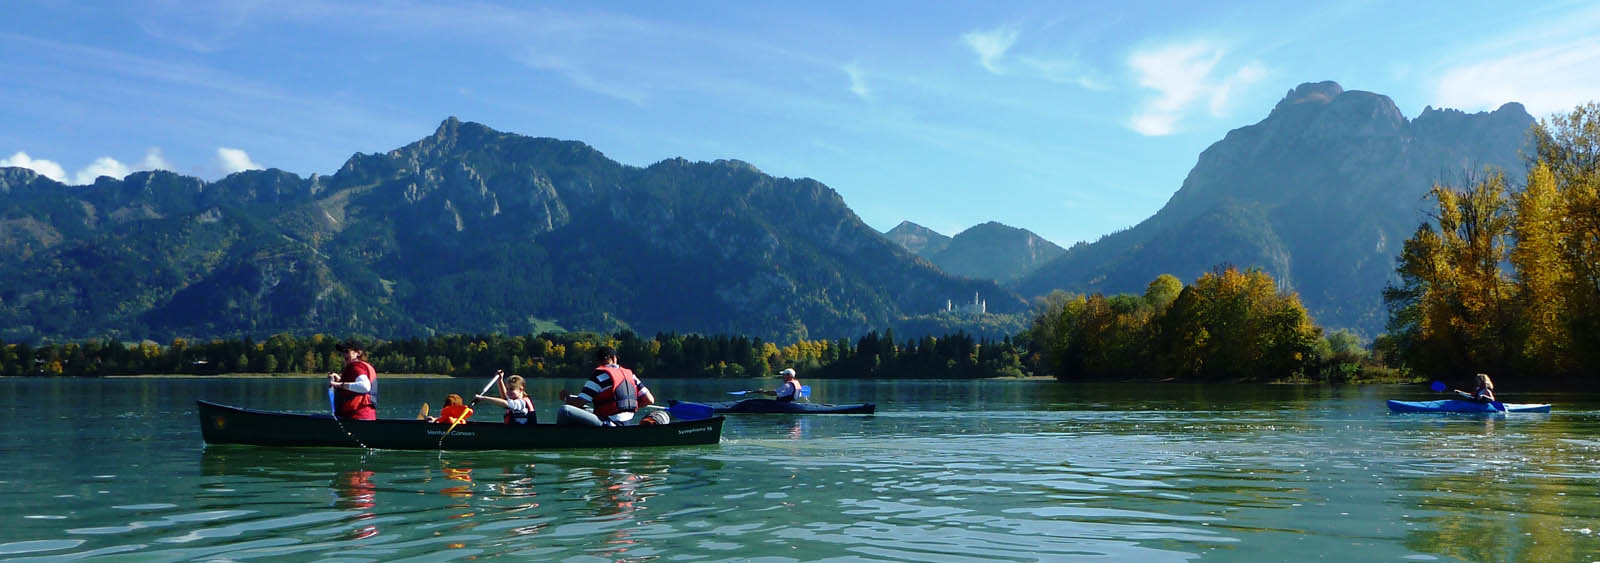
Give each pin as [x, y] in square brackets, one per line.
[1320, 194]
[467, 230]
[990, 251]
[920, 240]
[994, 251]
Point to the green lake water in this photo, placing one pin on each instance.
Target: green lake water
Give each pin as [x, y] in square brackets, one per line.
[946, 471]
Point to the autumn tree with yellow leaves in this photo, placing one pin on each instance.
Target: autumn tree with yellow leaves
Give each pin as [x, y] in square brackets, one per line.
[1508, 283]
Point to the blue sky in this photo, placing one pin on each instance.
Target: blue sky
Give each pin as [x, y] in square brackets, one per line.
[1068, 119]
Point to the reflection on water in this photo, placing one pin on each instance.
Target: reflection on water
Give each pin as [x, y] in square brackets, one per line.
[947, 471]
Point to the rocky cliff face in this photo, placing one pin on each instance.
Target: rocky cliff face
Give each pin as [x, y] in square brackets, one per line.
[467, 230]
[1320, 194]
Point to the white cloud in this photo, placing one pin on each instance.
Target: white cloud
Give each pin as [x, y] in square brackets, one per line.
[1183, 75]
[235, 160]
[1548, 79]
[991, 45]
[858, 81]
[154, 161]
[45, 168]
[103, 166]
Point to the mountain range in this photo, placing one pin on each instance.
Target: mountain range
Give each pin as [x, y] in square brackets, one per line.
[467, 230]
[476, 230]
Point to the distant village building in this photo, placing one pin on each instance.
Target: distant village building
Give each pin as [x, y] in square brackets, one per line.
[977, 306]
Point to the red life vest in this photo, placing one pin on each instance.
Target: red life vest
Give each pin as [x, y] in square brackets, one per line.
[353, 405]
[621, 396]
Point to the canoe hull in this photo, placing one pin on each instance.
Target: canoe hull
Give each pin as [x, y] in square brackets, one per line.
[223, 424]
[770, 406]
[1455, 405]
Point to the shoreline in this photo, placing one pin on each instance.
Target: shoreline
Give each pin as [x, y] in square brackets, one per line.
[265, 376]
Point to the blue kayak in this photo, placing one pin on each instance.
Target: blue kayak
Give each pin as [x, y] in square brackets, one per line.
[770, 406]
[1457, 405]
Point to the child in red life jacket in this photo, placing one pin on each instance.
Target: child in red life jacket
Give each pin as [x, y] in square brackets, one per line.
[454, 411]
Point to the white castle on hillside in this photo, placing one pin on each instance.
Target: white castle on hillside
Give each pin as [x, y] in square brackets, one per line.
[977, 306]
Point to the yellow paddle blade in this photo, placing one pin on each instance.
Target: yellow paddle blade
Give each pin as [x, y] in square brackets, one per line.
[459, 419]
[424, 413]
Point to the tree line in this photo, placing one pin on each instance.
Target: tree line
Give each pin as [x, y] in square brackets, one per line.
[550, 354]
[1230, 324]
[1508, 282]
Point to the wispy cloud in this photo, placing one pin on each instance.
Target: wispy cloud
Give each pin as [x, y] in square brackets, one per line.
[235, 160]
[994, 48]
[858, 81]
[199, 27]
[1068, 71]
[1547, 79]
[582, 78]
[991, 45]
[46, 168]
[1183, 76]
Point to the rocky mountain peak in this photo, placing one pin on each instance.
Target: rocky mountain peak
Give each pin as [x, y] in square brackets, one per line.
[1318, 193]
[920, 240]
[15, 177]
[1311, 93]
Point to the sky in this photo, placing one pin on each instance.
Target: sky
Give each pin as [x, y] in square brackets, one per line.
[1069, 119]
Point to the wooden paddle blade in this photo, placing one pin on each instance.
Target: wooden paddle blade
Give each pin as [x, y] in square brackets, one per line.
[423, 414]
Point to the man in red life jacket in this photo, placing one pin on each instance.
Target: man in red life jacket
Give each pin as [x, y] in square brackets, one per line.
[355, 389]
[613, 390]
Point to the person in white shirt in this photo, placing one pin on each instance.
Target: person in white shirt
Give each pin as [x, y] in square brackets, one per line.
[788, 391]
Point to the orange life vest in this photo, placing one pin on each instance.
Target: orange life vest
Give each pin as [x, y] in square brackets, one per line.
[453, 414]
[621, 396]
[353, 405]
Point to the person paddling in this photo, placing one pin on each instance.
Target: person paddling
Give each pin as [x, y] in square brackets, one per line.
[519, 408]
[614, 390]
[1485, 390]
[788, 391]
[356, 386]
[1484, 393]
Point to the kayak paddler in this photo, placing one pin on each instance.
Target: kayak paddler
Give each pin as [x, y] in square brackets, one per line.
[788, 391]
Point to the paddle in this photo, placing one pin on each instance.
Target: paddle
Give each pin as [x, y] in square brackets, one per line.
[468, 412]
[805, 391]
[681, 410]
[423, 414]
[333, 409]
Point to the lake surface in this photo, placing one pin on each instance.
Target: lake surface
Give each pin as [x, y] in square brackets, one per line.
[946, 471]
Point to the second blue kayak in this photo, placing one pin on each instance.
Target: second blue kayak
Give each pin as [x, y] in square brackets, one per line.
[1456, 405]
[770, 406]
